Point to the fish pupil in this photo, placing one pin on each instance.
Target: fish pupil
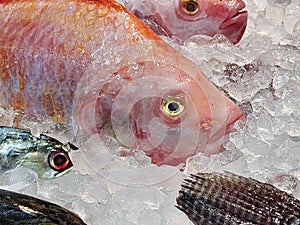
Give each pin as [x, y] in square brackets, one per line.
[190, 7]
[59, 160]
[173, 107]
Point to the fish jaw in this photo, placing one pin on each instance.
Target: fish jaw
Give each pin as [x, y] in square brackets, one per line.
[234, 26]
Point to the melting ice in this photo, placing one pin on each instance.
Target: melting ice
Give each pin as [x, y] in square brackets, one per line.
[261, 73]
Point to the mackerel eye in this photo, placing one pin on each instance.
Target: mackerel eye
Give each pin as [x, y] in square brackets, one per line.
[59, 161]
[173, 106]
[189, 7]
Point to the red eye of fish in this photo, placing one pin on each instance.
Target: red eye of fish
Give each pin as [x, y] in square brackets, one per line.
[189, 7]
[59, 161]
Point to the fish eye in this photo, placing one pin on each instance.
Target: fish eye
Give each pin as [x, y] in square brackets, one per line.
[190, 7]
[173, 105]
[59, 161]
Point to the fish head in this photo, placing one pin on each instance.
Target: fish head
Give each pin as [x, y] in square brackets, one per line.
[185, 18]
[169, 111]
[45, 155]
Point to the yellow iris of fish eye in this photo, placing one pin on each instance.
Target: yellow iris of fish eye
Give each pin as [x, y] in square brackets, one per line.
[190, 7]
[173, 105]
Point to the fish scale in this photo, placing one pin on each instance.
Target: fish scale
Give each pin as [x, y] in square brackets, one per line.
[231, 199]
[202, 214]
[92, 65]
[238, 197]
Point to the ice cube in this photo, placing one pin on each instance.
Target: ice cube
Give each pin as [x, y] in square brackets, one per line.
[172, 215]
[133, 202]
[149, 217]
[17, 179]
[152, 175]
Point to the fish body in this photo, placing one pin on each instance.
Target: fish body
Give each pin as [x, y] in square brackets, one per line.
[219, 199]
[185, 18]
[96, 67]
[45, 155]
[19, 209]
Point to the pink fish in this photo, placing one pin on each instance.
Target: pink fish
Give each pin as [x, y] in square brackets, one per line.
[185, 18]
[93, 65]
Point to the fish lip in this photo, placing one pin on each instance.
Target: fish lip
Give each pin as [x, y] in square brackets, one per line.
[237, 11]
[230, 127]
[223, 133]
[220, 136]
[228, 21]
[234, 26]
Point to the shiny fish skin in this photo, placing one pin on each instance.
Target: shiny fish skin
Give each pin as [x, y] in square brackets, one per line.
[210, 17]
[19, 148]
[19, 209]
[98, 69]
[229, 199]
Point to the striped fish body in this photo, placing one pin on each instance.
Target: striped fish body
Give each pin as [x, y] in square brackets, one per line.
[229, 199]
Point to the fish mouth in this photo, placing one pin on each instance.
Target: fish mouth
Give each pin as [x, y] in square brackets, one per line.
[235, 24]
[215, 144]
[230, 126]
[236, 11]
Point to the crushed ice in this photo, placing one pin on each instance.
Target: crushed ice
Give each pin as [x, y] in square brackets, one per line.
[261, 73]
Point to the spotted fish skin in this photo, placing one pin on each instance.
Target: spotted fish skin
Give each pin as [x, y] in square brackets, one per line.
[19, 209]
[230, 199]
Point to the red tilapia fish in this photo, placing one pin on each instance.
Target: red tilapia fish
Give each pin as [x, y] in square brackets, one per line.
[94, 66]
[185, 18]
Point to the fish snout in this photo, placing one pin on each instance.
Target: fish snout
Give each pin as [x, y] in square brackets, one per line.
[233, 114]
[234, 26]
[224, 124]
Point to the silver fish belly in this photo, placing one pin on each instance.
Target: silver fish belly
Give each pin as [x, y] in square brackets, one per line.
[19, 209]
[45, 155]
[226, 198]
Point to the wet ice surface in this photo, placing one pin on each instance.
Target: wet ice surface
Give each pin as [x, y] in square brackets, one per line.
[261, 73]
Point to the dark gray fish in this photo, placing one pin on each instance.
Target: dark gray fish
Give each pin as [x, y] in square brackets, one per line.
[229, 199]
[19, 209]
[45, 155]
